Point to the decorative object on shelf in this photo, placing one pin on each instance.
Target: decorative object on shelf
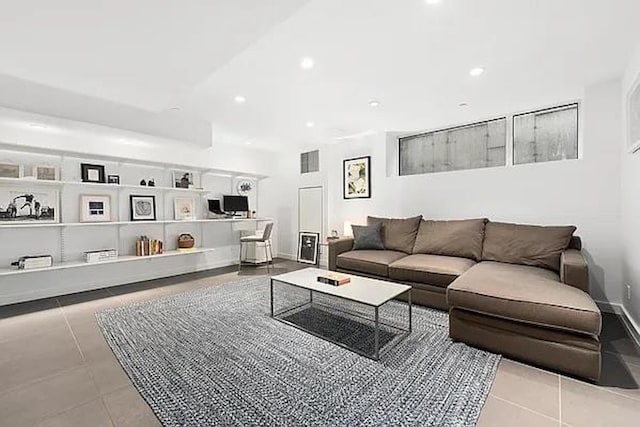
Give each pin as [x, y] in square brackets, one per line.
[357, 178]
[151, 182]
[46, 173]
[95, 208]
[334, 235]
[253, 214]
[182, 179]
[17, 205]
[146, 246]
[244, 187]
[33, 262]
[113, 179]
[143, 208]
[633, 116]
[184, 208]
[143, 182]
[308, 247]
[186, 241]
[100, 255]
[92, 173]
[11, 170]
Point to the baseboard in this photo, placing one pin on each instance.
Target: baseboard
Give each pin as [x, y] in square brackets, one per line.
[627, 321]
[287, 256]
[632, 327]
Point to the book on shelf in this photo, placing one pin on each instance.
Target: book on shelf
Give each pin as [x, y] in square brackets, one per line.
[334, 279]
[146, 246]
[100, 255]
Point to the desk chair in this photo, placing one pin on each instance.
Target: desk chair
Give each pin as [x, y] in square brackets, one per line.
[264, 238]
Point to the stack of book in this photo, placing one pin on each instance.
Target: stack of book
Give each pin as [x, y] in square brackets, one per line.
[101, 255]
[335, 279]
[146, 246]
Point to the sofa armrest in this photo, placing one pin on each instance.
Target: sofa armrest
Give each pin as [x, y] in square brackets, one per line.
[574, 270]
[336, 247]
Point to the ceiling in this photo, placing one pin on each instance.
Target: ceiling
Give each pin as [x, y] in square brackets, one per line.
[186, 61]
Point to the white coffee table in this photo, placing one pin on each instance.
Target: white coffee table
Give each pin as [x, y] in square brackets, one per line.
[363, 290]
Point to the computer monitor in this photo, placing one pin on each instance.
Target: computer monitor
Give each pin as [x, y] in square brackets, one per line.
[235, 203]
[214, 206]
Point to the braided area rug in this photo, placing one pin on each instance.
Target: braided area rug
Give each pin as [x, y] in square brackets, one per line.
[214, 356]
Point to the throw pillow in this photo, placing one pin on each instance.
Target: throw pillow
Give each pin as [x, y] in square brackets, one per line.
[367, 237]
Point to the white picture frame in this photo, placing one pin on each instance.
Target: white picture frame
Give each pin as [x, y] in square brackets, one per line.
[182, 179]
[95, 208]
[46, 173]
[19, 205]
[184, 208]
[308, 246]
[11, 170]
[633, 116]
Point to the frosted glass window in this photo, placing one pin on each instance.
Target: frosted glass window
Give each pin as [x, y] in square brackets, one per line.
[474, 146]
[546, 135]
[309, 162]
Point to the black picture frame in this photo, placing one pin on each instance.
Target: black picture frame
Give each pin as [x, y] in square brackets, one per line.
[88, 170]
[347, 180]
[113, 179]
[308, 246]
[135, 214]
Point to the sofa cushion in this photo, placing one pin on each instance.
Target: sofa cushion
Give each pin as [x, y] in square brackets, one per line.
[526, 294]
[398, 234]
[430, 269]
[367, 237]
[460, 238]
[526, 244]
[369, 261]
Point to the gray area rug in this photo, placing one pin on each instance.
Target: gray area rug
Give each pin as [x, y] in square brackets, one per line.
[214, 356]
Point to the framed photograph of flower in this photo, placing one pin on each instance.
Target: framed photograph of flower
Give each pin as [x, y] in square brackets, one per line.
[143, 208]
[357, 178]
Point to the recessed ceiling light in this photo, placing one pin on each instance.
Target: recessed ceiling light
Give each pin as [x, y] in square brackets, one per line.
[175, 108]
[310, 124]
[239, 99]
[476, 71]
[374, 103]
[248, 142]
[463, 104]
[307, 63]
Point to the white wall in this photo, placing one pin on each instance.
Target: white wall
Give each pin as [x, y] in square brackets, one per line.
[630, 205]
[582, 192]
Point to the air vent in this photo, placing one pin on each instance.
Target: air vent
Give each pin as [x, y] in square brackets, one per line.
[309, 162]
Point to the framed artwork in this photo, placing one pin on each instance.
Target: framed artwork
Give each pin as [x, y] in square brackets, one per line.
[143, 208]
[92, 173]
[182, 179]
[11, 170]
[46, 173]
[19, 205]
[113, 179]
[95, 208]
[308, 244]
[185, 208]
[633, 116]
[357, 178]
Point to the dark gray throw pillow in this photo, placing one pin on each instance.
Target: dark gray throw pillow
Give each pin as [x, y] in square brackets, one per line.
[367, 236]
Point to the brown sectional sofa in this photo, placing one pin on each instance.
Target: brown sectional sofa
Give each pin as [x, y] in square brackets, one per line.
[519, 290]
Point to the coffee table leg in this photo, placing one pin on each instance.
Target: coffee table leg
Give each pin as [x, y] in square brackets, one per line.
[310, 296]
[409, 299]
[377, 337]
[271, 290]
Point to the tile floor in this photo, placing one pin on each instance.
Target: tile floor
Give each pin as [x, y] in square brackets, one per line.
[57, 370]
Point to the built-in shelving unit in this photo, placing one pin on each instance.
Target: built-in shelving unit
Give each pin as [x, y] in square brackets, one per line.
[217, 239]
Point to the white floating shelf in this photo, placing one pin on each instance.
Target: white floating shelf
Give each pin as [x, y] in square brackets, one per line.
[122, 223]
[45, 183]
[125, 258]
